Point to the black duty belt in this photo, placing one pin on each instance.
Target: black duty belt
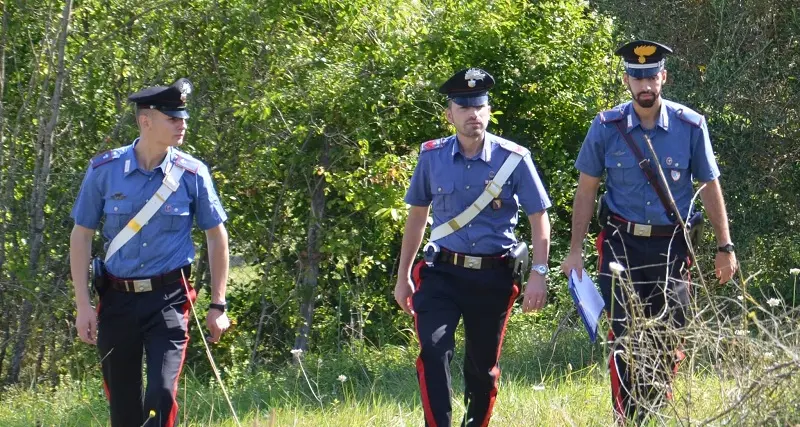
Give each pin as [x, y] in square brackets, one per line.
[151, 283]
[642, 230]
[473, 262]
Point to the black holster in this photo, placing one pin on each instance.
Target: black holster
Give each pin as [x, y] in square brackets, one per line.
[695, 224]
[603, 212]
[519, 260]
[97, 272]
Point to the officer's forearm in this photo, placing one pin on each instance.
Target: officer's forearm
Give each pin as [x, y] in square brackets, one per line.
[715, 207]
[540, 237]
[412, 238]
[218, 261]
[582, 210]
[80, 243]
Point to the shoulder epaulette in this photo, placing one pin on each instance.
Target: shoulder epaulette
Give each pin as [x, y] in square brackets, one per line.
[690, 116]
[104, 157]
[612, 115]
[511, 146]
[433, 144]
[187, 163]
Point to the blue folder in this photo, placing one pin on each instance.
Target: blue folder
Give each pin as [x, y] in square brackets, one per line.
[587, 300]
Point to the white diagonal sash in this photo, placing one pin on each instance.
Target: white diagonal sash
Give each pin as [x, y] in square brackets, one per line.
[492, 191]
[169, 185]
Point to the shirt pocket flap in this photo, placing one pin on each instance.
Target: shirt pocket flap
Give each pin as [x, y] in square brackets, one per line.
[679, 161]
[118, 207]
[624, 161]
[442, 187]
[175, 209]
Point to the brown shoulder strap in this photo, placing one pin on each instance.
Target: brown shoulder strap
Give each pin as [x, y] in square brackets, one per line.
[644, 164]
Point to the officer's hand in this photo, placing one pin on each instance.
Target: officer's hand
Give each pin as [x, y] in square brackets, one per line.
[535, 293]
[402, 294]
[725, 266]
[86, 324]
[217, 322]
[573, 261]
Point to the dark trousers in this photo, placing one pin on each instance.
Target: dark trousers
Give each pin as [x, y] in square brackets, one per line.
[444, 293]
[153, 324]
[644, 353]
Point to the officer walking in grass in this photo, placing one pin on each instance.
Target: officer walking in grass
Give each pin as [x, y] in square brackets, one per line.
[641, 227]
[476, 183]
[148, 193]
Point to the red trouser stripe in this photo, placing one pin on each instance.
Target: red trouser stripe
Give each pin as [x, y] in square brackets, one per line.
[191, 296]
[616, 386]
[496, 370]
[105, 385]
[423, 385]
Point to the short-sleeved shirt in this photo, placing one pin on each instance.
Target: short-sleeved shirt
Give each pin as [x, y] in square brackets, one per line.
[680, 138]
[115, 187]
[451, 182]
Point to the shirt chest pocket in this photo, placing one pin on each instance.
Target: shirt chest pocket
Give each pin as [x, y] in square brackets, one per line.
[443, 196]
[623, 169]
[174, 216]
[118, 213]
[676, 169]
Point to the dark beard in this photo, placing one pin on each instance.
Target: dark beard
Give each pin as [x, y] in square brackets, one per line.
[647, 103]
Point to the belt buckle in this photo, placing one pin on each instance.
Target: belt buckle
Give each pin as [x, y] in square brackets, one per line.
[642, 230]
[473, 262]
[143, 285]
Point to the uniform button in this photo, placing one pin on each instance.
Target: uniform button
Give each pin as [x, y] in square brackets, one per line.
[144, 244]
[440, 189]
[469, 166]
[469, 226]
[648, 182]
[116, 208]
[146, 200]
[508, 182]
[648, 203]
[468, 187]
[473, 245]
[648, 221]
[141, 265]
[677, 164]
[619, 165]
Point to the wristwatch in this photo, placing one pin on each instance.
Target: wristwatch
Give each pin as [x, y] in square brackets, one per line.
[221, 307]
[540, 269]
[726, 248]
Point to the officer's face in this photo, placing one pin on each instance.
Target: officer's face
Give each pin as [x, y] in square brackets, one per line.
[165, 129]
[646, 91]
[469, 121]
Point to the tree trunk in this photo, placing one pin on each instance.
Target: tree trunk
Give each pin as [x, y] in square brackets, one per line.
[4, 344]
[41, 179]
[308, 284]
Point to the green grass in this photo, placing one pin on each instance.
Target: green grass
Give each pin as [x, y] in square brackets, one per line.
[540, 386]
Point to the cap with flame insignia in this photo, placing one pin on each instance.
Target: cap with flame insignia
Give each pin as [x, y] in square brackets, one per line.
[468, 88]
[643, 58]
[170, 100]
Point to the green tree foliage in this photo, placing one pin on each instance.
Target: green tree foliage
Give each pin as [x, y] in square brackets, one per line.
[338, 95]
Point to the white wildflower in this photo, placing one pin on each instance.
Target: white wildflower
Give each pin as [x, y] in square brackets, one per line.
[768, 355]
[296, 351]
[342, 378]
[740, 332]
[740, 298]
[773, 302]
[616, 268]
[794, 271]
[539, 387]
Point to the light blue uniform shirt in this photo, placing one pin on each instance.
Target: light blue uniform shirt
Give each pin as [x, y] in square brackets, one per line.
[117, 188]
[680, 138]
[451, 182]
